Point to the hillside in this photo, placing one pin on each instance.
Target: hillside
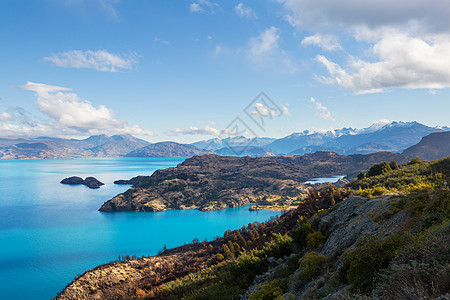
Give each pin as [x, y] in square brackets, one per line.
[384, 236]
[433, 146]
[167, 149]
[214, 182]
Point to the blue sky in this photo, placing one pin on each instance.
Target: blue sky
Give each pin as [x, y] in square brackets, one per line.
[184, 70]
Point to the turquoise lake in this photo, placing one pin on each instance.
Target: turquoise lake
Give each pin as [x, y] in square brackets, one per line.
[50, 232]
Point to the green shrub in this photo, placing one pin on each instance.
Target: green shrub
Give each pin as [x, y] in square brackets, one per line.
[373, 254]
[315, 240]
[421, 270]
[281, 246]
[310, 265]
[379, 169]
[268, 291]
[301, 232]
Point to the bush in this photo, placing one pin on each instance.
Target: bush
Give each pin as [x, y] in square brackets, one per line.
[373, 254]
[315, 240]
[301, 232]
[310, 265]
[379, 169]
[268, 291]
[420, 270]
[281, 246]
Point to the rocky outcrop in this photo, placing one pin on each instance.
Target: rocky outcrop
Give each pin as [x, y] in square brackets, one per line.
[90, 182]
[137, 278]
[354, 218]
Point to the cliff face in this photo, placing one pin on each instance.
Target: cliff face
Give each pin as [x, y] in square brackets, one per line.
[214, 182]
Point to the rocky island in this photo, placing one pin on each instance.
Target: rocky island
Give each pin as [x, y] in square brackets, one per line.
[90, 182]
[210, 182]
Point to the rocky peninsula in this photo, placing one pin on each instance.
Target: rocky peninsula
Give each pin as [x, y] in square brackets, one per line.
[211, 182]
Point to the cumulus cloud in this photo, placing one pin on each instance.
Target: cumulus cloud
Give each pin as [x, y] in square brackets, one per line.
[71, 115]
[401, 61]
[203, 6]
[5, 117]
[101, 60]
[406, 42]
[326, 42]
[244, 12]
[321, 111]
[264, 50]
[204, 130]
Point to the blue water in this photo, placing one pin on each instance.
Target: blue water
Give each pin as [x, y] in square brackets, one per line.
[50, 232]
[331, 179]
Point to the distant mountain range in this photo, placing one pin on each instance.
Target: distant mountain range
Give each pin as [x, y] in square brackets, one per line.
[231, 142]
[393, 137]
[167, 149]
[45, 147]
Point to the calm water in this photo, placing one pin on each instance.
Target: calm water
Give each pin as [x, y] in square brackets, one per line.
[50, 232]
[331, 179]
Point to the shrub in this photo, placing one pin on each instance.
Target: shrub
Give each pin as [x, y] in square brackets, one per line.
[310, 265]
[421, 269]
[281, 246]
[301, 232]
[315, 240]
[372, 255]
[268, 291]
[379, 169]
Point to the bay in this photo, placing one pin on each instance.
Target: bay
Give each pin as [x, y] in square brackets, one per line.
[50, 232]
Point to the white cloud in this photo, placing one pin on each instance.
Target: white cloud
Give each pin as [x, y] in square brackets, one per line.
[262, 110]
[264, 50]
[322, 111]
[70, 115]
[158, 40]
[107, 7]
[286, 111]
[265, 44]
[433, 15]
[204, 6]
[244, 12]
[204, 130]
[100, 60]
[402, 44]
[401, 61]
[326, 42]
[5, 117]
